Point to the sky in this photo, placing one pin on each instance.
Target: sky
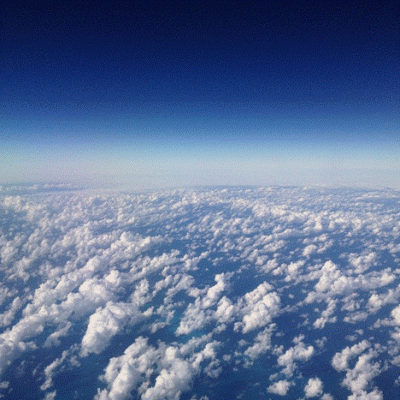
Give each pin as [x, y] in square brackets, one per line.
[168, 93]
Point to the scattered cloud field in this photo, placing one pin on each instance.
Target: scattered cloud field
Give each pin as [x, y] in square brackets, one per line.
[199, 294]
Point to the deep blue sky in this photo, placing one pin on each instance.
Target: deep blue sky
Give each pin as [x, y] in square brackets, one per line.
[166, 93]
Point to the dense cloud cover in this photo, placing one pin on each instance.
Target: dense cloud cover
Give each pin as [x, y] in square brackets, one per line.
[199, 294]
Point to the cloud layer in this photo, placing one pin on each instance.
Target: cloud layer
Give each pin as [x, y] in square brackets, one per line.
[185, 292]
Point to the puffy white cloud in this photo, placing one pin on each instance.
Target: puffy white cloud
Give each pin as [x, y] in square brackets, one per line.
[171, 381]
[358, 378]
[333, 282]
[197, 315]
[377, 301]
[299, 352]
[329, 275]
[178, 282]
[262, 343]
[280, 388]
[340, 360]
[107, 322]
[313, 388]
[321, 321]
[225, 310]
[194, 318]
[124, 373]
[142, 294]
[213, 293]
[355, 317]
[261, 312]
[258, 307]
[8, 316]
[362, 263]
[140, 363]
[310, 249]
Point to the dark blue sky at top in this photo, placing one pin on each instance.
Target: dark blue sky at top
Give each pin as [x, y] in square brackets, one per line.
[84, 58]
[178, 69]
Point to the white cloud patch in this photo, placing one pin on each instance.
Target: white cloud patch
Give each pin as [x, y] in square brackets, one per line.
[310, 249]
[326, 315]
[363, 263]
[360, 374]
[358, 378]
[258, 307]
[214, 292]
[299, 352]
[313, 388]
[262, 343]
[197, 315]
[280, 388]
[107, 322]
[140, 362]
[50, 370]
[225, 311]
[341, 359]
[124, 373]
